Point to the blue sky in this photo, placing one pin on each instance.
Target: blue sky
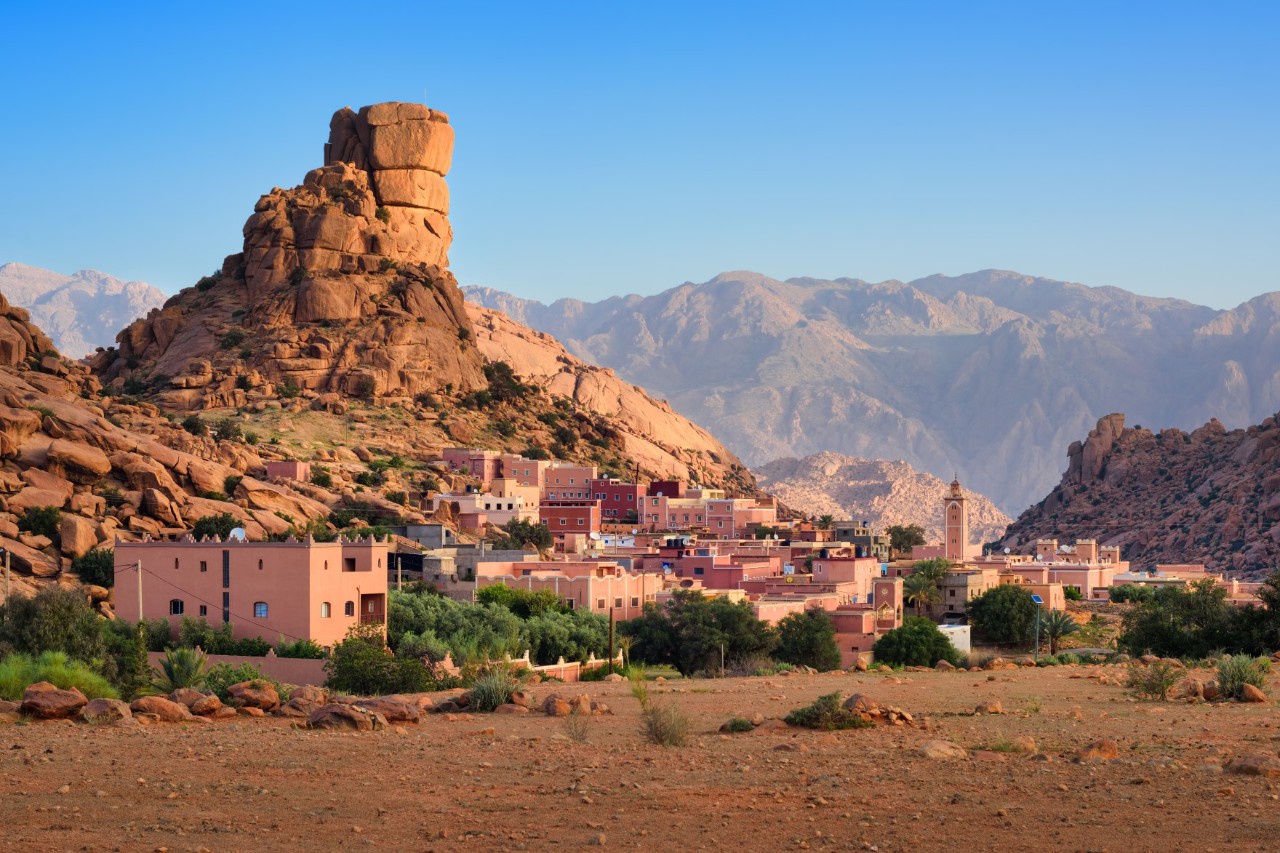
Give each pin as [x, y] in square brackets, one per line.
[608, 147]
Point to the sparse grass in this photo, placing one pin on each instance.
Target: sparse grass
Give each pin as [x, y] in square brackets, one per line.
[18, 672]
[1033, 706]
[826, 714]
[664, 724]
[738, 725]
[577, 726]
[493, 688]
[1000, 744]
[1153, 681]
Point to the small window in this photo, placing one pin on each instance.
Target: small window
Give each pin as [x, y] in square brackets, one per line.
[349, 609]
[371, 605]
[176, 607]
[204, 611]
[635, 602]
[260, 610]
[951, 593]
[563, 522]
[326, 565]
[581, 522]
[324, 610]
[175, 562]
[697, 570]
[600, 604]
[204, 565]
[259, 565]
[617, 602]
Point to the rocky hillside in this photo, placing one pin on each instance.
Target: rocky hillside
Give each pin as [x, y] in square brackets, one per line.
[981, 374]
[883, 493]
[1208, 496]
[339, 324]
[81, 311]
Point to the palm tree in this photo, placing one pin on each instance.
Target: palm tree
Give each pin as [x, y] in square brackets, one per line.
[824, 522]
[180, 667]
[1056, 625]
[920, 590]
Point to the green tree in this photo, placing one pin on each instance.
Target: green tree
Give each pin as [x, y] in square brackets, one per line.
[96, 566]
[1005, 614]
[520, 533]
[362, 664]
[179, 668]
[56, 619]
[691, 632]
[1072, 593]
[934, 569]
[824, 522]
[920, 591]
[904, 537]
[1191, 622]
[808, 639]
[1056, 625]
[219, 525]
[917, 643]
[41, 521]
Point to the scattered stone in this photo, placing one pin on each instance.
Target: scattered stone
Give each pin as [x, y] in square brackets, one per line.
[1267, 766]
[990, 706]
[1251, 694]
[942, 750]
[1100, 750]
[162, 709]
[105, 711]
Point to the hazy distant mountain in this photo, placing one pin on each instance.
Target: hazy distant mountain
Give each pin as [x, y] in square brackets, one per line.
[988, 375]
[82, 311]
[874, 490]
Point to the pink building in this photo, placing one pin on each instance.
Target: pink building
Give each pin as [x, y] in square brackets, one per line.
[570, 516]
[568, 482]
[290, 469]
[619, 501]
[527, 472]
[481, 464]
[473, 510]
[295, 590]
[594, 585]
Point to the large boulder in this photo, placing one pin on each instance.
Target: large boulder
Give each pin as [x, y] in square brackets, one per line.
[164, 710]
[77, 534]
[344, 717]
[105, 711]
[79, 463]
[392, 710]
[255, 694]
[46, 701]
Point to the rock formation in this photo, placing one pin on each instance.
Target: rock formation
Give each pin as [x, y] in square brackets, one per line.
[874, 490]
[79, 312]
[1209, 496]
[987, 374]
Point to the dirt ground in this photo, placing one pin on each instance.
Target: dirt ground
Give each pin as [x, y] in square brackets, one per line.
[484, 782]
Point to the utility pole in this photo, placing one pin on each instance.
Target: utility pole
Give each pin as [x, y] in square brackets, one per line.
[611, 639]
[139, 567]
[6, 576]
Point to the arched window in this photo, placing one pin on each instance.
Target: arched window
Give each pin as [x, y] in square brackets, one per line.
[324, 610]
[260, 610]
[349, 609]
[176, 607]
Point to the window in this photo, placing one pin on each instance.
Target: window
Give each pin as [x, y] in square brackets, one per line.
[349, 609]
[697, 570]
[259, 565]
[371, 606]
[324, 610]
[260, 610]
[176, 607]
[635, 602]
[600, 604]
[204, 565]
[951, 593]
[348, 564]
[563, 522]
[617, 602]
[204, 611]
[175, 563]
[629, 497]
[581, 522]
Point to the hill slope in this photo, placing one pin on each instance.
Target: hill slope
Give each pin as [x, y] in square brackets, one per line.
[1210, 496]
[874, 490]
[81, 311]
[981, 374]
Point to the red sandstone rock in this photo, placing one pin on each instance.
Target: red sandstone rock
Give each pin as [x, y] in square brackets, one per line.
[164, 710]
[105, 711]
[1100, 750]
[47, 702]
[255, 694]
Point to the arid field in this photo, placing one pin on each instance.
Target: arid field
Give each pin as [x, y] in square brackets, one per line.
[497, 781]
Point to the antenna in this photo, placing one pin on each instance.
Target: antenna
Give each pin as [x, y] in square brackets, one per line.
[593, 536]
[237, 533]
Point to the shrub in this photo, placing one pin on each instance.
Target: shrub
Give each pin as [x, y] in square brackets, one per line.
[290, 388]
[96, 566]
[41, 521]
[219, 525]
[371, 478]
[1133, 592]
[1236, 671]
[223, 675]
[1153, 681]
[808, 639]
[181, 667]
[232, 339]
[127, 647]
[398, 498]
[227, 429]
[194, 425]
[493, 688]
[230, 482]
[308, 649]
[321, 477]
[382, 214]
[827, 714]
[57, 619]
[1072, 593]
[917, 643]
[1005, 614]
[207, 282]
[691, 632]
[577, 726]
[737, 725]
[19, 671]
[664, 724]
[362, 664]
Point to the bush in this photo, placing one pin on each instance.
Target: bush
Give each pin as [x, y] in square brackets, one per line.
[917, 643]
[1072, 593]
[230, 482]
[362, 664]
[219, 525]
[181, 667]
[127, 647]
[737, 725]
[1236, 671]
[57, 619]
[321, 477]
[227, 429]
[96, 566]
[19, 671]
[520, 533]
[290, 388]
[223, 675]
[307, 649]
[577, 726]
[808, 639]
[493, 688]
[232, 339]
[690, 632]
[1154, 680]
[1193, 623]
[664, 724]
[41, 521]
[194, 425]
[827, 714]
[195, 632]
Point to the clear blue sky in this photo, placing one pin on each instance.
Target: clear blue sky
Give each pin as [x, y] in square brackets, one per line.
[607, 147]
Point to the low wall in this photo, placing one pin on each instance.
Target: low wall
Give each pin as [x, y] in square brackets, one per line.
[284, 670]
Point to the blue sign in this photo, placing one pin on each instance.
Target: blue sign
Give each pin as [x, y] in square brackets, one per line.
[1037, 599]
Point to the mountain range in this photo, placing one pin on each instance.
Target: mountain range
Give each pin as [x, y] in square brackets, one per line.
[79, 312]
[985, 375]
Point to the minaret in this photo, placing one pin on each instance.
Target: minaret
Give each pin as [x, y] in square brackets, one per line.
[956, 520]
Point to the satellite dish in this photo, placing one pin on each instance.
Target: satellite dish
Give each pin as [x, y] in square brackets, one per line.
[593, 536]
[1039, 558]
[1006, 550]
[237, 533]
[634, 531]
